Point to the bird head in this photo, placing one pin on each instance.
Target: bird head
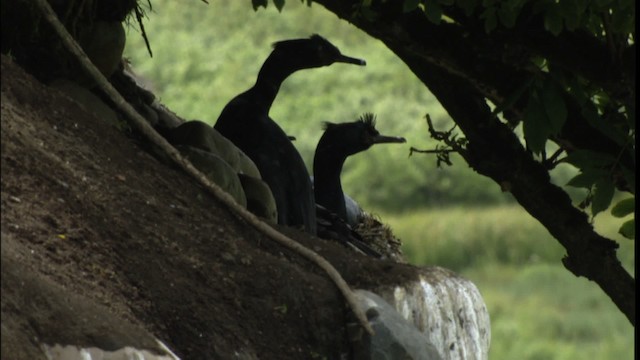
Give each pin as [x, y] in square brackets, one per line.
[360, 135]
[311, 52]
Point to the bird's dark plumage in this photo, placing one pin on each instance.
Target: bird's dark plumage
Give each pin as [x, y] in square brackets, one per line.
[338, 142]
[245, 121]
[330, 226]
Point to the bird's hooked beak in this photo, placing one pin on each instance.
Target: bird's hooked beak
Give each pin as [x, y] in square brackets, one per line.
[381, 139]
[350, 60]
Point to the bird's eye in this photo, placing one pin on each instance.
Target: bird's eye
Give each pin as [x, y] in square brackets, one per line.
[323, 54]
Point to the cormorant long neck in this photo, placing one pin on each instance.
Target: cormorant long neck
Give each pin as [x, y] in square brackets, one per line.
[327, 166]
[272, 73]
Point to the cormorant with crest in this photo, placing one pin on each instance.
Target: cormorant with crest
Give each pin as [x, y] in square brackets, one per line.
[338, 142]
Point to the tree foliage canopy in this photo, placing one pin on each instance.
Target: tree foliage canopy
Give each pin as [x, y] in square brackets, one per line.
[562, 71]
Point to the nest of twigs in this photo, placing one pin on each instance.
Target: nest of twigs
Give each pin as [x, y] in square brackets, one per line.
[380, 237]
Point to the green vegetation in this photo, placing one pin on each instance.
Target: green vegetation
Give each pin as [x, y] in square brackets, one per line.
[538, 309]
[205, 55]
[460, 238]
[541, 311]
[450, 217]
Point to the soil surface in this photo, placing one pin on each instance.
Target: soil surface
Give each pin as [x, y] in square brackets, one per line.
[103, 245]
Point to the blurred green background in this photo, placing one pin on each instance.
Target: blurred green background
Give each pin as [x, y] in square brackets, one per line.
[452, 217]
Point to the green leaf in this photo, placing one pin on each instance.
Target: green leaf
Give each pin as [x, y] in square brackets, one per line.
[628, 229]
[601, 4]
[624, 207]
[623, 19]
[468, 6]
[605, 127]
[490, 19]
[410, 5]
[589, 159]
[576, 89]
[535, 125]
[554, 106]
[368, 14]
[590, 112]
[507, 18]
[279, 4]
[433, 10]
[553, 19]
[631, 116]
[587, 178]
[513, 97]
[630, 177]
[539, 61]
[258, 3]
[544, 115]
[508, 13]
[572, 12]
[602, 196]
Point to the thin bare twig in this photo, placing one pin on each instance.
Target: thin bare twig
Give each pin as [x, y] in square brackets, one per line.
[451, 140]
[139, 15]
[434, 151]
[552, 162]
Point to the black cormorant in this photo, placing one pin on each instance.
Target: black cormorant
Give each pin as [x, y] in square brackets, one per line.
[245, 121]
[330, 226]
[354, 211]
[338, 142]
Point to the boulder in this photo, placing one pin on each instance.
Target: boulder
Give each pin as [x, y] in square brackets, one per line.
[217, 170]
[395, 337]
[446, 309]
[86, 98]
[69, 325]
[201, 135]
[103, 42]
[260, 200]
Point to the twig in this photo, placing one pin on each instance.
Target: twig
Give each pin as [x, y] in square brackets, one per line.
[454, 145]
[438, 135]
[139, 15]
[551, 162]
[434, 151]
[141, 124]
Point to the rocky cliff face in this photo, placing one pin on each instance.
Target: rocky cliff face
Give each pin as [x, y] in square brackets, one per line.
[107, 249]
[102, 245]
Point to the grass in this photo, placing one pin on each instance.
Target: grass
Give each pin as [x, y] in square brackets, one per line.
[459, 238]
[538, 309]
[541, 311]
[462, 237]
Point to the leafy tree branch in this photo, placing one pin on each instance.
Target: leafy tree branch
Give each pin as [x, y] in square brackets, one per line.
[563, 70]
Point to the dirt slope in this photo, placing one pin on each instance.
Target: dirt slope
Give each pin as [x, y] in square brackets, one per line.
[97, 234]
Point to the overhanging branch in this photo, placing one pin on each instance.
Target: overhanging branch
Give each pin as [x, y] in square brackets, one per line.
[493, 149]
